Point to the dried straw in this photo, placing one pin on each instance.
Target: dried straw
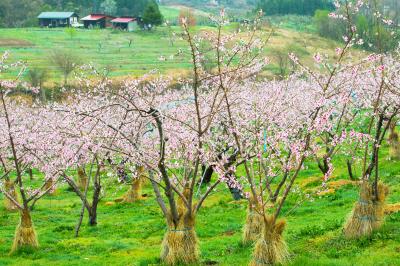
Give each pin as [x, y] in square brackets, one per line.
[10, 189]
[180, 244]
[25, 234]
[82, 178]
[271, 248]
[368, 213]
[254, 223]
[135, 191]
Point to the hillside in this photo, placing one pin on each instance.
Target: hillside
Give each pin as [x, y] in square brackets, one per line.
[134, 54]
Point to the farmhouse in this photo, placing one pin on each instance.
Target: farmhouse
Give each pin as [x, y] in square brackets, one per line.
[57, 19]
[97, 20]
[125, 23]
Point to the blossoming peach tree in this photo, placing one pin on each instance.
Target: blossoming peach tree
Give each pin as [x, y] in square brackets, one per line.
[174, 132]
[376, 102]
[23, 138]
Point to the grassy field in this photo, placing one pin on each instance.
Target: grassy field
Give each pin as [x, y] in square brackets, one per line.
[131, 234]
[171, 13]
[104, 48]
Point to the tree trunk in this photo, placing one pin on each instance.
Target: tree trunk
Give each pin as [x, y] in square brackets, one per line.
[93, 216]
[368, 213]
[10, 189]
[30, 172]
[271, 248]
[93, 210]
[349, 164]
[25, 235]
[323, 167]
[254, 223]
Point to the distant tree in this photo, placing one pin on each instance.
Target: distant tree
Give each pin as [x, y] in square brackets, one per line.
[300, 7]
[187, 13]
[21, 13]
[152, 15]
[71, 32]
[109, 7]
[65, 61]
[132, 8]
[328, 27]
[282, 60]
[36, 77]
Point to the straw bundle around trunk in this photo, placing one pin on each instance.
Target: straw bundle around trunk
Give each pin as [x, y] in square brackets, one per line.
[368, 213]
[394, 149]
[393, 135]
[135, 191]
[180, 244]
[271, 248]
[394, 142]
[82, 178]
[50, 183]
[25, 235]
[10, 189]
[254, 223]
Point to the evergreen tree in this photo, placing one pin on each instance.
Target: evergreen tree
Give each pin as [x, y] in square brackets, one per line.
[152, 15]
[109, 7]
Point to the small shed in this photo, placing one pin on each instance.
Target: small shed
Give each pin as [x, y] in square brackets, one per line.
[125, 23]
[57, 19]
[97, 20]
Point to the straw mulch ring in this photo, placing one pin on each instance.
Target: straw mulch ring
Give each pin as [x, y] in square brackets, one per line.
[25, 234]
[334, 185]
[271, 248]
[368, 213]
[10, 188]
[340, 183]
[392, 208]
[254, 223]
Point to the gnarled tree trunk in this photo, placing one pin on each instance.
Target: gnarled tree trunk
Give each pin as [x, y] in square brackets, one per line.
[25, 234]
[368, 213]
[271, 248]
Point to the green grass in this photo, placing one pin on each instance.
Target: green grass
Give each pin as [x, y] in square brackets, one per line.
[101, 47]
[131, 234]
[171, 13]
[293, 22]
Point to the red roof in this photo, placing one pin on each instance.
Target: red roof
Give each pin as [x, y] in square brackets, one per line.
[123, 20]
[94, 17]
